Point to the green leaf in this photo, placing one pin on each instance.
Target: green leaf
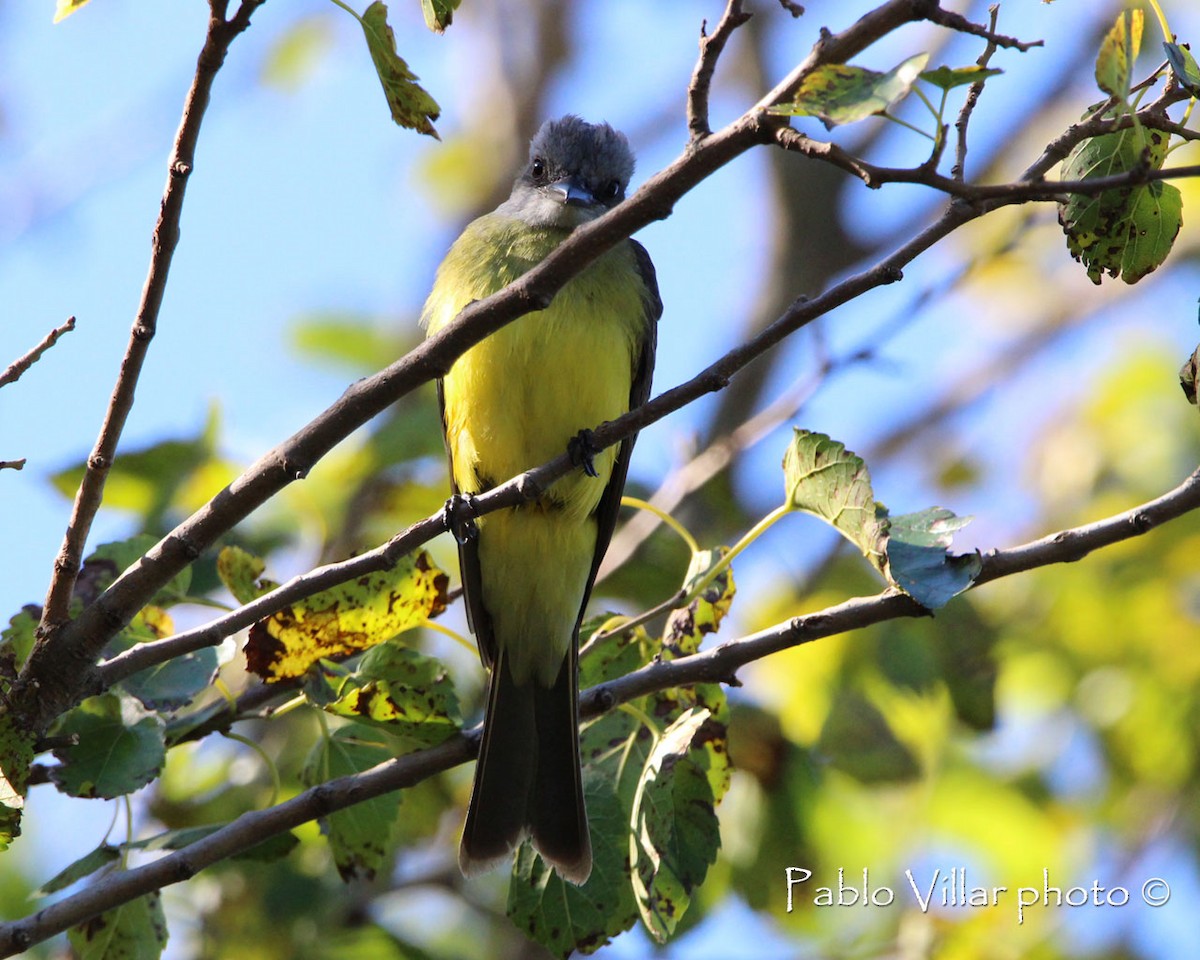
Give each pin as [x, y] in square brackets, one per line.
[16, 757]
[411, 106]
[64, 8]
[947, 78]
[296, 53]
[1184, 66]
[918, 561]
[839, 93]
[687, 626]
[360, 835]
[825, 479]
[133, 931]
[1189, 376]
[85, 866]
[241, 572]
[675, 833]
[17, 638]
[616, 655]
[1124, 232]
[858, 740]
[344, 340]
[274, 847]
[1118, 50]
[174, 684]
[348, 618]
[439, 13]
[117, 748]
[109, 560]
[562, 917]
[406, 692]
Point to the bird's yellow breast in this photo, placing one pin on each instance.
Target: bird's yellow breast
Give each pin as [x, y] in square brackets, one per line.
[516, 399]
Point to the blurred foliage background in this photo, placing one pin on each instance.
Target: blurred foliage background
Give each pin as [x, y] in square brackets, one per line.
[1048, 722]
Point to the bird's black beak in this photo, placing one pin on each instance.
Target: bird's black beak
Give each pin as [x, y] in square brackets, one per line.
[572, 192]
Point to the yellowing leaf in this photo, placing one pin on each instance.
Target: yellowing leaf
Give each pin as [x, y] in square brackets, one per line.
[687, 626]
[947, 78]
[346, 619]
[839, 93]
[241, 571]
[64, 8]
[1118, 51]
[411, 106]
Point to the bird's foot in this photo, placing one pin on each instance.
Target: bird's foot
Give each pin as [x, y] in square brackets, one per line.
[459, 516]
[581, 448]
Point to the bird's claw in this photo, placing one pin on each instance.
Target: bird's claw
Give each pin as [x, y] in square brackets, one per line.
[581, 448]
[459, 516]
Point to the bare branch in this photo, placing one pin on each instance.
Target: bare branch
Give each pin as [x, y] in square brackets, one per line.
[13, 371]
[13, 464]
[166, 236]
[957, 172]
[718, 665]
[710, 52]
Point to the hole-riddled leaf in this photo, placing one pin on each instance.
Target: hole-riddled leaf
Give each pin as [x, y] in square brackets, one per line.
[1118, 50]
[918, 560]
[136, 930]
[117, 748]
[411, 106]
[16, 756]
[1125, 232]
[404, 691]
[823, 478]
[839, 93]
[359, 835]
[674, 832]
[687, 626]
[947, 78]
[348, 618]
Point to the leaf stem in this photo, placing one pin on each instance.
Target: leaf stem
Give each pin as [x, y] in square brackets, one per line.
[639, 504]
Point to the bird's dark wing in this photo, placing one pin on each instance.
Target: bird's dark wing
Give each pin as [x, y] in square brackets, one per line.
[478, 619]
[639, 393]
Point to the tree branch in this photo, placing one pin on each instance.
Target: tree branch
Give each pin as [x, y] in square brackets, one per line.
[166, 236]
[52, 678]
[710, 52]
[14, 370]
[717, 665]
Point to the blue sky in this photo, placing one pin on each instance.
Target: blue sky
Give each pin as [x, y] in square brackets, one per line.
[310, 200]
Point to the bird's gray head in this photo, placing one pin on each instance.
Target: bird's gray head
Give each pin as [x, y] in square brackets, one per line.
[576, 171]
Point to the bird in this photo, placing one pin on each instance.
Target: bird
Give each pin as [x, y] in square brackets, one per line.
[515, 400]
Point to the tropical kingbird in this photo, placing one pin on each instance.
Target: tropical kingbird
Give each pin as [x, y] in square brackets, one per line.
[512, 402]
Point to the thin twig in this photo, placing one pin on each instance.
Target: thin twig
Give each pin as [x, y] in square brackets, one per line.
[14, 370]
[45, 689]
[957, 172]
[13, 464]
[710, 51]
[718, 665]
[166, 236]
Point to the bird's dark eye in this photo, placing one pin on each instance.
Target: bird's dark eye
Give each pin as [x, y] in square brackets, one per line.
[537, 168]
[610, 190]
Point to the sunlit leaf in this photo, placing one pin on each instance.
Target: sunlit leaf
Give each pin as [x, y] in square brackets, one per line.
[241, 572]
[406, 692]
[411, 106]
[1118, 50]
[295, 54]
[17, 638]
[823, 478]
[674, 836]
[917, 557]
[687, 626]
[1125, 232]
[64, 8]
[947, 78]
[439, 13]
[136, 930]
[839, 93]
[117, 748]
[1184, 66]
[348, 618]
[359, 835]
